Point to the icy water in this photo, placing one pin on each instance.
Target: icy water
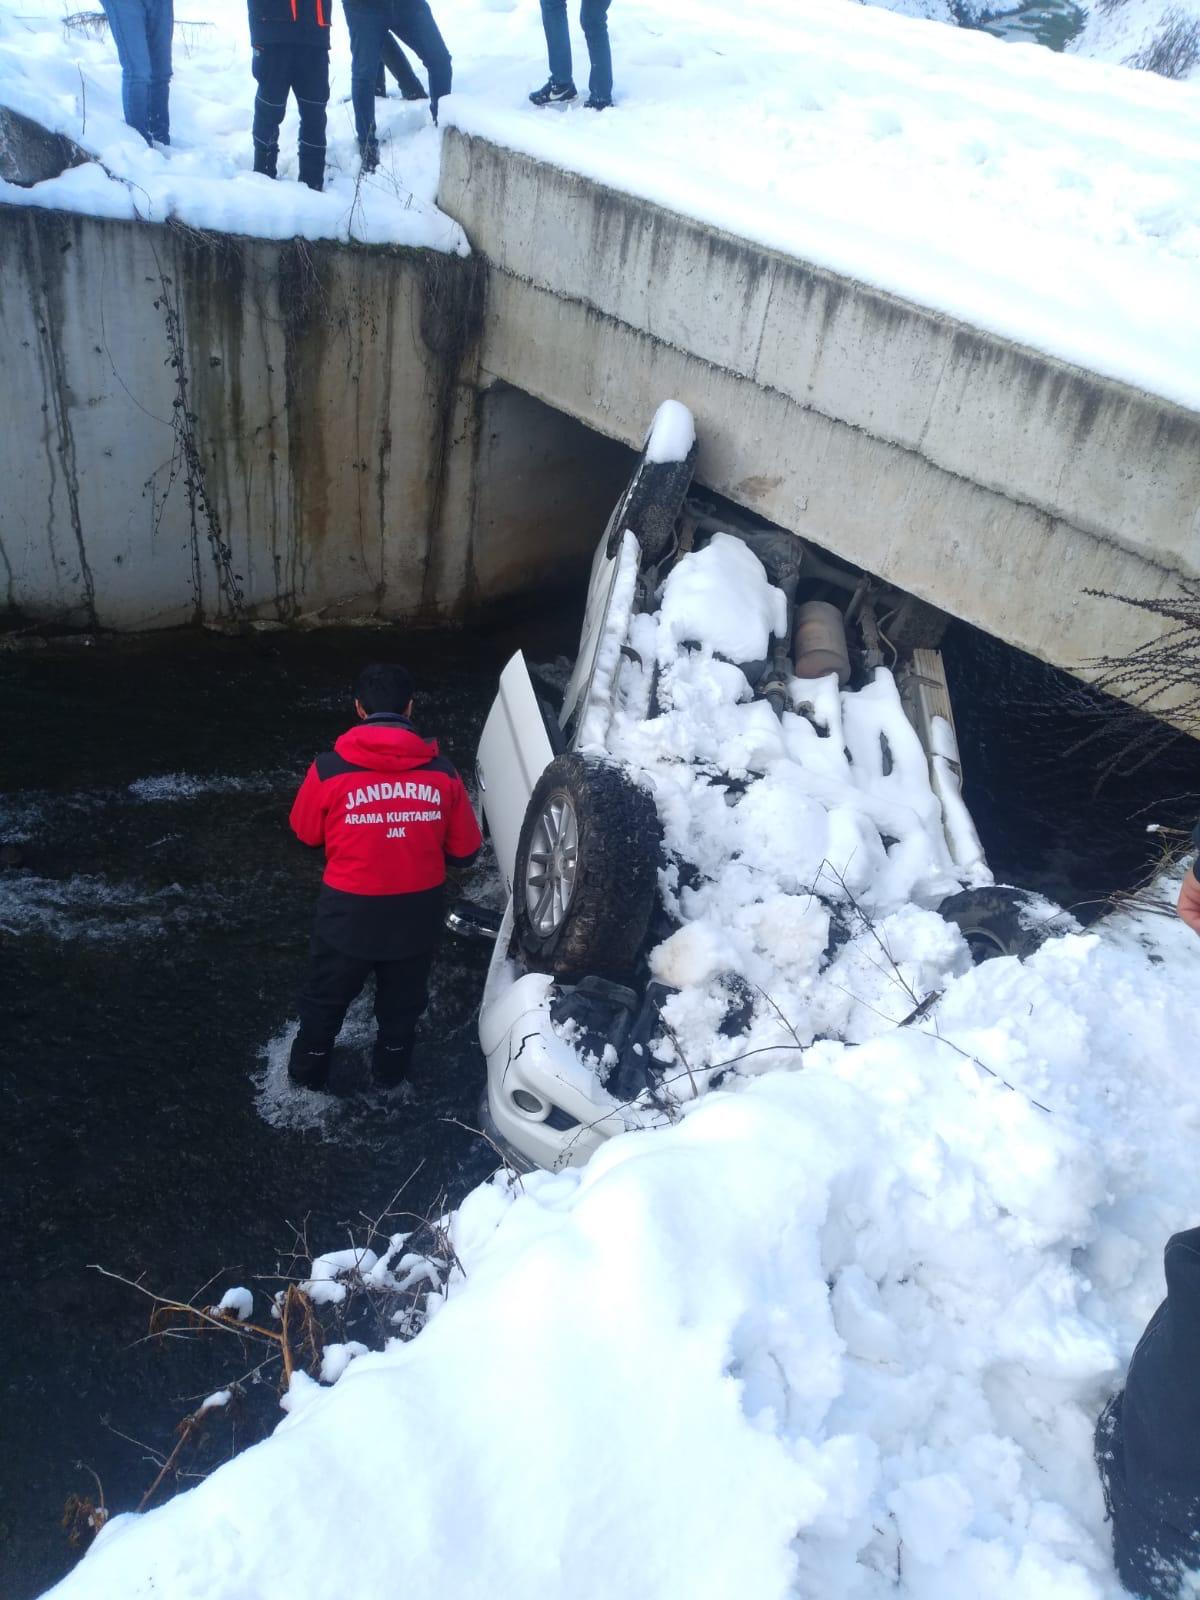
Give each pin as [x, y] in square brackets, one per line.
[1053, 23]
[151, 937]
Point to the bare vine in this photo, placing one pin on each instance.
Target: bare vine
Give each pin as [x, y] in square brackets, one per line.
[187, 461]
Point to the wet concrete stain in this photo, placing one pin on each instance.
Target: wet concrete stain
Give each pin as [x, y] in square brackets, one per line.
[290, 381]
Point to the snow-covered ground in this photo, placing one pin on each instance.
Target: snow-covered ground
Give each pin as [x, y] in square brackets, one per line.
[1155, 35]
[1050, 199]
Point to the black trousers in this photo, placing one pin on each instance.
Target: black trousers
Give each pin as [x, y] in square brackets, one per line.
[302, 70]
[334, 982]
[1153, 1557]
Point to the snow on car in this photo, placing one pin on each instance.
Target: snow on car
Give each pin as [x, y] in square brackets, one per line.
[734, 834]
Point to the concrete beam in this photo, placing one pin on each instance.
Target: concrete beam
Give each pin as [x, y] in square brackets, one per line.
[990, 480]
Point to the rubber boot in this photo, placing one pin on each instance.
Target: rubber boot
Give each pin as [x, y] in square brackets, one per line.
[390, 1064]
[308, 1069]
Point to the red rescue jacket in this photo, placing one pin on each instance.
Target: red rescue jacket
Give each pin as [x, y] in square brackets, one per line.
[390, 812]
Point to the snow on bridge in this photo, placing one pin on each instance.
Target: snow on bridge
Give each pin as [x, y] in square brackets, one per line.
[1048, 199]
[945, 285]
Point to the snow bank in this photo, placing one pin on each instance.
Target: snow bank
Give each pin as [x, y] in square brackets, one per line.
[1047, 199]
[843, 1331]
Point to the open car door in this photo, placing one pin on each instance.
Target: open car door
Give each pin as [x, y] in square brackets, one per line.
[514, 751]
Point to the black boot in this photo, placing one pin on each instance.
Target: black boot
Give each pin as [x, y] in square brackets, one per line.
[308, 1069]
[266, 160]
[390, 1064]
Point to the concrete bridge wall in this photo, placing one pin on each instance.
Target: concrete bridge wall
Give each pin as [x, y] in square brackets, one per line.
[200, 427]
[992, 481]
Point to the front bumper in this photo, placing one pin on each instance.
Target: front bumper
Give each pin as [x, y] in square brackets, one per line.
[543, 1102]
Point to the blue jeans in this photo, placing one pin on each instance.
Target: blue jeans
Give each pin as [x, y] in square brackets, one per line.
[411, 21]
[593, 18]
[141, 31]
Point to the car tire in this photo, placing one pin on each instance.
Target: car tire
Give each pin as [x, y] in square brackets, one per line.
[651, 505]
[993, 922]
[586, 869]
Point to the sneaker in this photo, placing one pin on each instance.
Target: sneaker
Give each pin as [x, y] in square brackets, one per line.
[595, 102]
[553, 94]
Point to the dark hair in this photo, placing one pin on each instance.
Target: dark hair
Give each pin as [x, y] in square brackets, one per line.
[384, 686]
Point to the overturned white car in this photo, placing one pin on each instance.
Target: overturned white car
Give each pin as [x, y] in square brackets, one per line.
[732, 835]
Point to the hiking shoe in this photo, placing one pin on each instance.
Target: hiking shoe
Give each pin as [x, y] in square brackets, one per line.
[595, 102]
[553, 94]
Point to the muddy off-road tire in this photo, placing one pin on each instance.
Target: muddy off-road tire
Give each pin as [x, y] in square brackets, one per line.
[994, 922]
[586, 869]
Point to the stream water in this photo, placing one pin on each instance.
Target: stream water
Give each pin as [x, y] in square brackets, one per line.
[1053, 23]
[151, 939]
[152, 931]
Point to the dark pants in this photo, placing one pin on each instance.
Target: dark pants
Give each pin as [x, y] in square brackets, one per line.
[1153, 1557]
[411, 21]
[334, 982]
[397, 63]
[593, 18]
[141, 31]
[302, 70]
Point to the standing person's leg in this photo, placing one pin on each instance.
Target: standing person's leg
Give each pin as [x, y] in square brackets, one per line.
[334, 980]
[160, 26]
[593, 18]
[368, 29]
[558, 42]
[271, 66]
[414, 23]
[401, 995]
[397, 63]
[127, 24]
[310, 85]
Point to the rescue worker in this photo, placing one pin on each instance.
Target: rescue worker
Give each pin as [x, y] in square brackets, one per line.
[1148, 1442]
[391, 813]
[289, 41]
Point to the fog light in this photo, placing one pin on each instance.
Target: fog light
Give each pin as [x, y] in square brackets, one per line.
[528, 1103]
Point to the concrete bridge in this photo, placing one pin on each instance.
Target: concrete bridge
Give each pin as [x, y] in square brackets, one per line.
[990, 480]
[208, 427]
